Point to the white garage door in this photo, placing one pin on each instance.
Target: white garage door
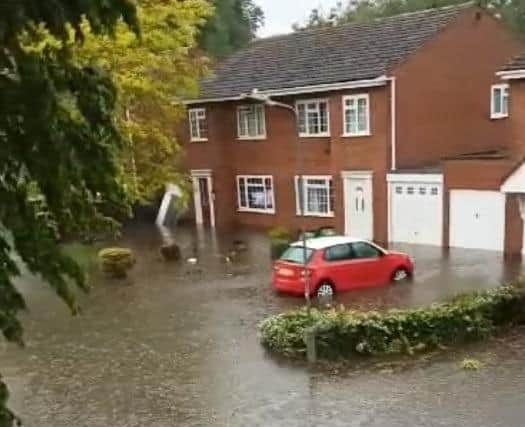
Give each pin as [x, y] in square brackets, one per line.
[416, 210]
[477, 219]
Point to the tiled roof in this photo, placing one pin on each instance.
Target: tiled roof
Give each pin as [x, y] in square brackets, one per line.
[517, 63]
[328, 55]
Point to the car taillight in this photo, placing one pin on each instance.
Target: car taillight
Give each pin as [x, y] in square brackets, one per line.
[306, 273]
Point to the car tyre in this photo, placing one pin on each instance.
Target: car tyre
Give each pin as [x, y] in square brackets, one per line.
[400, 275]
[325, 290]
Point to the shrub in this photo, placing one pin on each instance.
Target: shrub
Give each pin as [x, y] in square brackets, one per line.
[277, 247]
[116, 262]
[326, 232]
[342, 333]
[279, 233]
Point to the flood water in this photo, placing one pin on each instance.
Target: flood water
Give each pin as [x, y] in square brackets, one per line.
[176, 345]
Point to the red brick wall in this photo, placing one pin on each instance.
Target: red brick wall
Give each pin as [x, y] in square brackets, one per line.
[443, 91]
[513, 226]
[516, 119]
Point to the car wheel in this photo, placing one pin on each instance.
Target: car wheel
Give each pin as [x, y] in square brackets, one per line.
[400, 275]
[325, 290]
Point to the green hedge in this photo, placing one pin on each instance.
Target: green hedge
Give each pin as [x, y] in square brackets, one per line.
[343, 333]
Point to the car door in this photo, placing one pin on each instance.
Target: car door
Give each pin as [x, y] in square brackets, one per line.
[368, 265]
[338, 266]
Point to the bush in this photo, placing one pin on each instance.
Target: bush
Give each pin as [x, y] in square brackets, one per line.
[342, 333]
[116, 262]
[279, 233]
[277, 247]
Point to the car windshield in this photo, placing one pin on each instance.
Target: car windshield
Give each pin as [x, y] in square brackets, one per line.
[295, 254]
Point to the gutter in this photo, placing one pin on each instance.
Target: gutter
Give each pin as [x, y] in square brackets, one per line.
[354, 84]
[511, 75]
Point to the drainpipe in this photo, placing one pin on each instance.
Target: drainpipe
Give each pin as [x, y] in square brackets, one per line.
[393, 122]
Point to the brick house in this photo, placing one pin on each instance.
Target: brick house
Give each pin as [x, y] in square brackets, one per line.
[386, 114]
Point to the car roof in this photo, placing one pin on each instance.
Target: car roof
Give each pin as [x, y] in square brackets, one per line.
[326, 242]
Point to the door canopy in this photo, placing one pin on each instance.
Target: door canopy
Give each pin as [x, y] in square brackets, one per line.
[515, 183]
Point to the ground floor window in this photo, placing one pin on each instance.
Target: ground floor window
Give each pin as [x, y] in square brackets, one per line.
[256, 194]
[317, 194]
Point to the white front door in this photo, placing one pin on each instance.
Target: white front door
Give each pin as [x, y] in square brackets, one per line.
[415, 208]
[477, 219]
[359, 213]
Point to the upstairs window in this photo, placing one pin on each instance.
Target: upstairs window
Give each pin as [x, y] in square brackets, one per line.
[317, 194]
[499, 102]
[198, 125]
[313, 117]
[250, 122]
[255, 194]
[356, 115]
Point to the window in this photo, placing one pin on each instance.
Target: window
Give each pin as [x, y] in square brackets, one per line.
[250, 122]
[255, 194]
[338, 253]
[356, 115]
[317, 195]
[499, 101]
[363, 250]
[410, 190]
[295, 255]
[422, 191]
[198, 125]
[434, 191]
[399, 190]
[313, 118]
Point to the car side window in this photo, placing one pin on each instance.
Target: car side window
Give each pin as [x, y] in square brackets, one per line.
[338, 253]
[363, 250]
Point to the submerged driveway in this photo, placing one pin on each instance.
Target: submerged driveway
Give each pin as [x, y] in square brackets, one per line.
[177, 346]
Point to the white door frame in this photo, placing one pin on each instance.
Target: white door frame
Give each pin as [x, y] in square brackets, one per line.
[365, 177]
[195, 176]
[521, 201]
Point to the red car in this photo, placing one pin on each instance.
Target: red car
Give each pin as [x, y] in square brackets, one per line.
[338, 264]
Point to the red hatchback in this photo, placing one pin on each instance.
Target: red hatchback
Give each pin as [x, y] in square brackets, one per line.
[338, 264]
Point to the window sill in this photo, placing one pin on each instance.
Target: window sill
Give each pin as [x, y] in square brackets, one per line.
[257, 211]
[319, 135]
[356, 135]
[317, 215]
[498, 116]
[251, 138]
[199, 140]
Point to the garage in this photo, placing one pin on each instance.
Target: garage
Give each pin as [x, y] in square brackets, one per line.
[416, 208]
[477, 219]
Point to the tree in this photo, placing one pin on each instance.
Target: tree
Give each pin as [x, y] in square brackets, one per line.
[233, 25]
[59, 147]
[511, 11]
[152, 75]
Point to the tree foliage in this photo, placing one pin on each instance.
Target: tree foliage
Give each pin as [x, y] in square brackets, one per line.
[511, 11]
[152, 74]
[233, 25]
[59, 147]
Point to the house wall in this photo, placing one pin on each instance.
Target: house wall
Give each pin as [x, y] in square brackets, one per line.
[443, 101]
[516, 119]
[277, 155]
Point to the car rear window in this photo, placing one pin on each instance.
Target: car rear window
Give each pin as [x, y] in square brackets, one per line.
[295, 254]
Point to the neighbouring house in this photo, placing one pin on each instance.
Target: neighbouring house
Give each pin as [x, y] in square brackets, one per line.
[393, 129]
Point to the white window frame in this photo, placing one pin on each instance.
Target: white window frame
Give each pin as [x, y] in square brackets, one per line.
[356, 99]
[505, 96]
[305, 178]
[255, 107]
[240, 208]
[317, 101]
[197, 111]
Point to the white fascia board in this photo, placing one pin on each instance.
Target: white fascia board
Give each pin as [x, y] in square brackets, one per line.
[356, 84]
[511, 75]
[434, 178]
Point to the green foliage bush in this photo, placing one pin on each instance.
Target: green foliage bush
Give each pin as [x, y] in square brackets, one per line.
[343, 333]
[278, 246]
[279, 233]
[116, 262]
